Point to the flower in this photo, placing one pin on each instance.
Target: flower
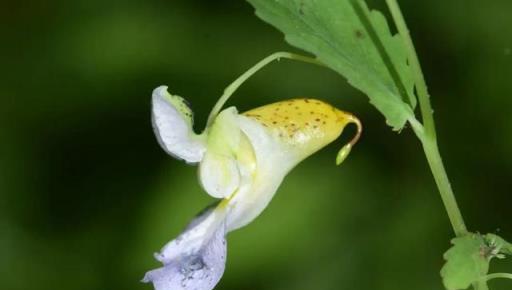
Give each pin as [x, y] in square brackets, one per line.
[243, 159]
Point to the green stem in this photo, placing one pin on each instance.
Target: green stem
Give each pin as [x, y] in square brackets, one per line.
[443, 184]
[246, 75]
[427, 133]
[498, 275]
[419, 79]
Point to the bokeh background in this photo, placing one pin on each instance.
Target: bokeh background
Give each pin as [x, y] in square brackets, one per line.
[87, 195]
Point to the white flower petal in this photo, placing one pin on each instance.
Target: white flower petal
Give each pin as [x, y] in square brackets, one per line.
[196, 259]
[273, 162]
[219, 175]
[218, 172]
[172, 122]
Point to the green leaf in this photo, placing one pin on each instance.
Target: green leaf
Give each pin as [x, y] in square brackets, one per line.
[466, 262]
[354, 41]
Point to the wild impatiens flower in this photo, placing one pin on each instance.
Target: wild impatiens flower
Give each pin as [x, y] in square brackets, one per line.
[243, 158]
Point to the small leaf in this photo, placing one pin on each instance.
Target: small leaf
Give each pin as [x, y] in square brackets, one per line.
[466, 262]
[498, 246]
[355, 42]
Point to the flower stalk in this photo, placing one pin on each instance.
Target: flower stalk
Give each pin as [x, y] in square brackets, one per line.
[228, 92]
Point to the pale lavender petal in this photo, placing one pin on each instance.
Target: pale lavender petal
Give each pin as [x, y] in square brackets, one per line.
[194, 268]
[195, 236]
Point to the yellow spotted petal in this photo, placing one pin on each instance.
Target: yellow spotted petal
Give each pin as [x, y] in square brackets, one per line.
[280, 136]
[305, 125]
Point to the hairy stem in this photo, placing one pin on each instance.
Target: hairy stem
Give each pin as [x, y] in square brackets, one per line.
[419, 79]
[427, 133]
[443, 184]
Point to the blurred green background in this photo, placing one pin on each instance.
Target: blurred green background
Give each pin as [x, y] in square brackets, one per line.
[87, 195]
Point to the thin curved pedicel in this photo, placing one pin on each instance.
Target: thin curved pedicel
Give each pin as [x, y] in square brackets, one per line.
[243, 160]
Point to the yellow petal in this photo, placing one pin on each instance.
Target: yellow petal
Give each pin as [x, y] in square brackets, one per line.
[306, 125]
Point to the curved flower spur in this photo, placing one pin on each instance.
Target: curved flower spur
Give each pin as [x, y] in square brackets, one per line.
[243, 158]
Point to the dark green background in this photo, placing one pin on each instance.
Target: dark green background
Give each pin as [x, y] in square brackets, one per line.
[87, 195]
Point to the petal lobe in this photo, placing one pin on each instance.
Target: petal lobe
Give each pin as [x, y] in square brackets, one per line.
[172, 123]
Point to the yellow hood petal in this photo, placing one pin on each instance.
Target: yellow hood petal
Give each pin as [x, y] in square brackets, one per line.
[305, 125]
[280, 136]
